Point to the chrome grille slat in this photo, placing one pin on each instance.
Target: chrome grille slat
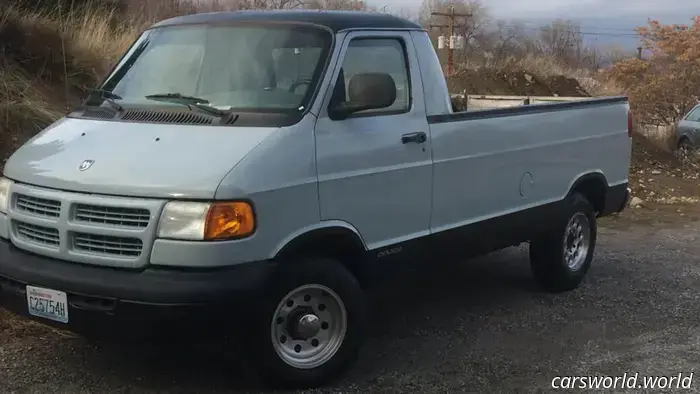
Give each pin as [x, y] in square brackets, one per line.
[107, 245]
[38, 234]
[112, 216]
[38, 206]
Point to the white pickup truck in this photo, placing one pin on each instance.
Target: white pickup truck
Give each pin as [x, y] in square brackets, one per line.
[251, 171]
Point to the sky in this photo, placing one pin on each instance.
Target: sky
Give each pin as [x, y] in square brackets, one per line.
[610, 21]
[573, 8]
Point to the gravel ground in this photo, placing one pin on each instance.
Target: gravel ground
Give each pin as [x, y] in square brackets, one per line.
[476, 327]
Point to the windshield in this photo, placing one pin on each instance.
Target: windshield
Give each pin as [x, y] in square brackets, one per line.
[246, 67]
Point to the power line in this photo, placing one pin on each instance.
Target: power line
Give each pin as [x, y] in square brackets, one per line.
[617, 33]
[592, 33]
[585, 27]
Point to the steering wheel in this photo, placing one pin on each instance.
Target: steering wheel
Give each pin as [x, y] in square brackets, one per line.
[296, 84]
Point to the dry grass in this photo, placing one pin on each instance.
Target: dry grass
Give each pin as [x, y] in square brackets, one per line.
[47, 60]
[90, 33]
[543, 66]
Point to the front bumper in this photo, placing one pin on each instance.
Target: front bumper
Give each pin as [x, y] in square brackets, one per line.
[122, 302]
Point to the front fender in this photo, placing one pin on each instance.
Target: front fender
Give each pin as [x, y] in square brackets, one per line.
[318, 230]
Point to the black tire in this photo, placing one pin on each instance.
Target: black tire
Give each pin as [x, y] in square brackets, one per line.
[547, 253]
[684, 145]
[276, 372]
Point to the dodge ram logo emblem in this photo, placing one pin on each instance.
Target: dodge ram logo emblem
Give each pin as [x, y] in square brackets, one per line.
[86, 164]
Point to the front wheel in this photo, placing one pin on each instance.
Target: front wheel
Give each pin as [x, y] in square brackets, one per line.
[561, 258]
[310, 325]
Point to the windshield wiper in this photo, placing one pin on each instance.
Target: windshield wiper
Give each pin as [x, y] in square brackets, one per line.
[177, 97]
[189, 101]
[109, 97]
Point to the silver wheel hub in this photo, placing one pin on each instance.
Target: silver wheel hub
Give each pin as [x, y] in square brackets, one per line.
[577, 240]
[309, 326]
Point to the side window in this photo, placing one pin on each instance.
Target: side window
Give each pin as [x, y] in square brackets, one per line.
[694, 115]
[384, 55]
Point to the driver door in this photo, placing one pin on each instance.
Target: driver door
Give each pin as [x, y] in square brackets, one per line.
[372, 174]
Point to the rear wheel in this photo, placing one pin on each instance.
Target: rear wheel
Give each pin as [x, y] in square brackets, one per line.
[561, 258]
[311, 324]
[684, 146]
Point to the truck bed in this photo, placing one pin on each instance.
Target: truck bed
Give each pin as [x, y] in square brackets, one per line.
[461, 102]
[502, 155]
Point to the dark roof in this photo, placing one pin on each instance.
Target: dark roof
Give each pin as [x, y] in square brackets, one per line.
[334, 20]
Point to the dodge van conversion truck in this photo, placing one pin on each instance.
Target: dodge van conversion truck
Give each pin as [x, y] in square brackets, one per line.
[249, 170]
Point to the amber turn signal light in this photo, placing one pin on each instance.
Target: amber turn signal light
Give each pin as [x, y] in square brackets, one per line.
[229, 220]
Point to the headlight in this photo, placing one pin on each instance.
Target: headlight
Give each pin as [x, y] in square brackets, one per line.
[198, 221]
[5, 185]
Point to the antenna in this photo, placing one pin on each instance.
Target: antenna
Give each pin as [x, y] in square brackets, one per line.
[63, 53]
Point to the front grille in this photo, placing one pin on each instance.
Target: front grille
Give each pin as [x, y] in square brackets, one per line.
[107, 245]
[38, 206]
[112, 216]
[83, 228]
[37, 234]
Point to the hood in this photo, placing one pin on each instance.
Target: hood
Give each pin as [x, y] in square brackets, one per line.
[133, 159]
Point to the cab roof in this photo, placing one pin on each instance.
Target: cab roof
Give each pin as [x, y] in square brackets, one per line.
[333, 20]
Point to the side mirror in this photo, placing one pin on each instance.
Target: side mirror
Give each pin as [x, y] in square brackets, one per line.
[366, 91]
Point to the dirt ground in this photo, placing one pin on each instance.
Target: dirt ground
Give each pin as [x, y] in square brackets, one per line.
[518, 83]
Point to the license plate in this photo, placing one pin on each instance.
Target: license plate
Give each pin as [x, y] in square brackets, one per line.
[47, 304]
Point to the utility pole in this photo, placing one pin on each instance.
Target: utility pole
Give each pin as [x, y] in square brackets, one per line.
[595, 54]
[451, 26]
[595, 59]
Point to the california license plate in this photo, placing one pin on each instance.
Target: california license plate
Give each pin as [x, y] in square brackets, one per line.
[47, 304]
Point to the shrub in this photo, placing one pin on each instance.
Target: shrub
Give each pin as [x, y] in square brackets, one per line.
[667, 84]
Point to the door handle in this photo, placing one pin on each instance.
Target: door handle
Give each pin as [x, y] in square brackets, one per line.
[417, 138]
